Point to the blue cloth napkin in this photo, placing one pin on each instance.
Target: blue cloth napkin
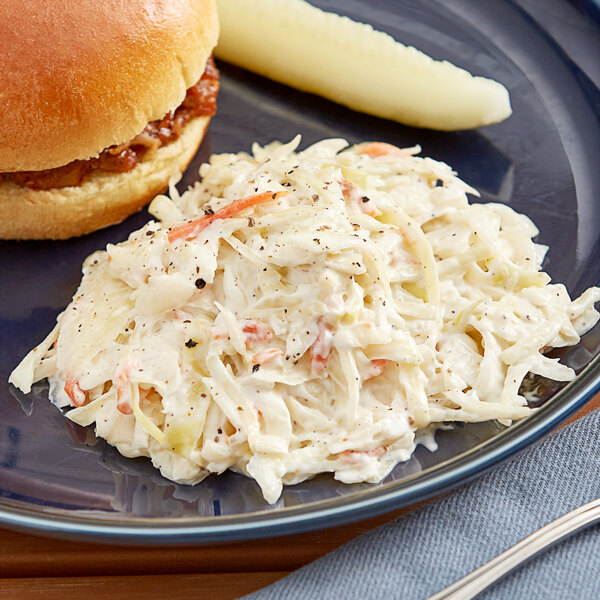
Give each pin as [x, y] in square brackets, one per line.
[420, 554]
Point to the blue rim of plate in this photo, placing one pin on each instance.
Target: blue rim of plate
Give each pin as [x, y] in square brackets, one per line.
[331, 512]
[325, 513]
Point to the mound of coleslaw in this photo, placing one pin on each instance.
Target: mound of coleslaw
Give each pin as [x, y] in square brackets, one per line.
[304, 312]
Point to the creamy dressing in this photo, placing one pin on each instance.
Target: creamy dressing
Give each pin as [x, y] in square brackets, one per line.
[363, 302]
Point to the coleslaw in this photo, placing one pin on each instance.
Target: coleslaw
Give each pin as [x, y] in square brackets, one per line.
[304, 312]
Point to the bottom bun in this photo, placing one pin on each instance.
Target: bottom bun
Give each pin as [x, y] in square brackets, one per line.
[102, 200]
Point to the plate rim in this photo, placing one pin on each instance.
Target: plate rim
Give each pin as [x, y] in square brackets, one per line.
[325, 513]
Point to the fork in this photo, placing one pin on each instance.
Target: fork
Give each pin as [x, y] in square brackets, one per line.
[480, 579]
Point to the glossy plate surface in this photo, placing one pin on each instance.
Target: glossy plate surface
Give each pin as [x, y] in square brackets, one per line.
[543, 161]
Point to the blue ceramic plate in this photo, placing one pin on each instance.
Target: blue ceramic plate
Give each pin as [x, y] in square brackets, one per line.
[55, 478]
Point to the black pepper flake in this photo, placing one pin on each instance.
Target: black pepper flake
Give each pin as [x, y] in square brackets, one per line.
[366, 199]
[255, 368]
[187, 321]
[190, 343]
[208, 210]
[439, 183]
[274, 196]
[149, 233]
[199, 283]
[315, 197]
[250, 222]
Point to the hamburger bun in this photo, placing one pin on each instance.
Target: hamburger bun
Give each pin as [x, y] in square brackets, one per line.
[80, 76]
[102, 200]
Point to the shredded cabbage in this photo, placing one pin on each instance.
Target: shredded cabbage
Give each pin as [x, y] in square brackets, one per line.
[316, 331]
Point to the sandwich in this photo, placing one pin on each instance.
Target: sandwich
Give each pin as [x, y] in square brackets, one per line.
[101, 104]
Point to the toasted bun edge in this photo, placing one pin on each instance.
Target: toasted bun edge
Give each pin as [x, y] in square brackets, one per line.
[102, 200]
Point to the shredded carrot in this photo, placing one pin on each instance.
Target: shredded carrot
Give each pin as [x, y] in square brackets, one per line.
[216, 333]
[256, 331]
[124, 405]
[347, 187]
[266, 356]
[352, 457]
[375, 149]
[259, 415]
[376, 367]
[121, 382]
[321, 348]
[351, 194]
[78, 396]
[190, 230]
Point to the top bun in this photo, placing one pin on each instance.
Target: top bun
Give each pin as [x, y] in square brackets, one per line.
[79, 76]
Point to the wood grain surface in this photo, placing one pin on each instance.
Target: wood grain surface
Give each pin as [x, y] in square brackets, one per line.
[38, 567]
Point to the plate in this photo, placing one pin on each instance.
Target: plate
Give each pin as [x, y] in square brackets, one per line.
[56, 478]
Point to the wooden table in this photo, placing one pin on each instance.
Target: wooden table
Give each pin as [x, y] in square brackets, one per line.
[36, 567]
